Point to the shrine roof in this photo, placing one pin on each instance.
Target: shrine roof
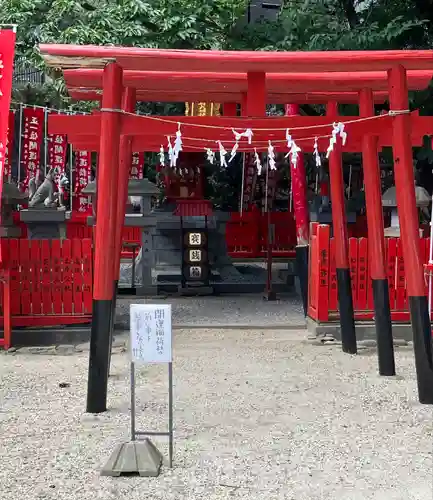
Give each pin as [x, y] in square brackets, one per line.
[276, 83]
[134, 58]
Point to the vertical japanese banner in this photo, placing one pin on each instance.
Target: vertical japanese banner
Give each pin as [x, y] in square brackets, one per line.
[7, 49]
[33, 131]
[9, 146]
[57, 146]
[137, 166]
[83, 169]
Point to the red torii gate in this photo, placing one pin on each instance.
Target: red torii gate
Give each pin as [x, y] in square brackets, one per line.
[113, 123]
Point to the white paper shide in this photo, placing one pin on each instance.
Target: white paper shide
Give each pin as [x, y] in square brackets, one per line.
[150, 333]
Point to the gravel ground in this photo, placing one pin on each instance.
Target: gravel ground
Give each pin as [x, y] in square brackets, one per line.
[258, 415]
[225, 310]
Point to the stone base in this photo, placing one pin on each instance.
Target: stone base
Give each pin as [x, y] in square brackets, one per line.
[10, 232]
[365, 330]
[194, 291]
[137, 457]
[44, 223]
[47, 231]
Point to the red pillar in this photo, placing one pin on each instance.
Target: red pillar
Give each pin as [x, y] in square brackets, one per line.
[376, 241]
[230, 109]
[339, 228]
[300, 204]
[244, 104]
[256, 95]
[125, 156]
[105, 239]
[409, 225]
[256, 107]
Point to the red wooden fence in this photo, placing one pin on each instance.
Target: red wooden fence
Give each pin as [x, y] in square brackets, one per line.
[77, 227]
[48, 282]
[323, 301]
[247, 234]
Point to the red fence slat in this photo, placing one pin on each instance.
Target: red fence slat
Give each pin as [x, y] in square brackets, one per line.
[353, 265]
[15, 275]
[333, 291]
[400, 280]
[87, 276]
[47, 302]
[67, 295]
[35, 276]
[77, 276]
[362, 273]
[391, 259]
[323, 233]
[57, 288]
[24, 253]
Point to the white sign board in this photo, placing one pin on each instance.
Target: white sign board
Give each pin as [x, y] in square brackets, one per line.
[150, 333]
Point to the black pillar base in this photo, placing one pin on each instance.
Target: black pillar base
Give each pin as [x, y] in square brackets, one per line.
[422, 346]
[347, 318]
[112, 321]
[382, 320]
[302, 272]
[98, 358]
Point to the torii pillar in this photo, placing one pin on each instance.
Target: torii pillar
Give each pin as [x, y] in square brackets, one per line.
[409, 227]
[256, 107]
[105, 233]
[125, 155]
[376, 241]
[339, 228]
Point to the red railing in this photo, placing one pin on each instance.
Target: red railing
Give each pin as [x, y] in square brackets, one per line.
[323, 300]
[45, 283]
[247, 234]
[77, 227]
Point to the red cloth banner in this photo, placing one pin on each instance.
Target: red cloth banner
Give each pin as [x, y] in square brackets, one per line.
[137, 166]
[83, 169]
[33, 132]
[9, 145]
[57, 146]
[299, 189]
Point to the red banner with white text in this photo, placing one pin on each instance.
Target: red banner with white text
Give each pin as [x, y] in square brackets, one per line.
[83, 170]
[57, 146]
[9, 146]
[137, 166]
[33, 135]
[7, 49]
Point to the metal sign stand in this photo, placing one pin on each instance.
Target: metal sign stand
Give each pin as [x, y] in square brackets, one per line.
[141, 456]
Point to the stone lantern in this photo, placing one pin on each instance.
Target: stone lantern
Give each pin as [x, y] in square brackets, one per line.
[141, 190]
[389, 201]
[11, 197]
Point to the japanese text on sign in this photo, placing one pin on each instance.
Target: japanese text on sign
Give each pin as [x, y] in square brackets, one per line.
[150, 332]
[195, 255]
[194, 239]
[137, 166]
[83, 168]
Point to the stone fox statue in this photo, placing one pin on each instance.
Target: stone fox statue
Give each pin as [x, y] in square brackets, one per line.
[42, 194]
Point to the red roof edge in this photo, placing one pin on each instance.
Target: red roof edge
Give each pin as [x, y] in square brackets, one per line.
[193, 208]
